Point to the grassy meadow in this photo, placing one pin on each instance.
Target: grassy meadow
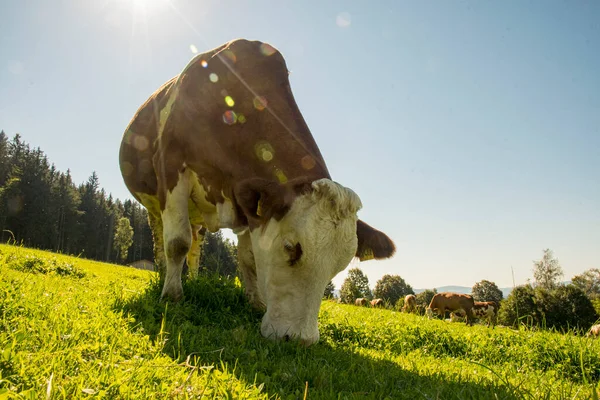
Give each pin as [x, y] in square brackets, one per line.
[73, 329]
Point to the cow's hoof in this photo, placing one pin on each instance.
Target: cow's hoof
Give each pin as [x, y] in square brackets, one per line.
[174, 296]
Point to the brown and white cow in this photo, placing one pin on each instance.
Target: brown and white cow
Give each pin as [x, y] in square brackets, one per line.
[361, 302]
[487, 310]
[224, 145]
[452, 302]
[377, 303]
[594, 331]
[410, 303]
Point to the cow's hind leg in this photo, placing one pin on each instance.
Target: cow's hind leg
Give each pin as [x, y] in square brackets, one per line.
[156, 227]
[177, 236]
[195, 253]
[247, 268]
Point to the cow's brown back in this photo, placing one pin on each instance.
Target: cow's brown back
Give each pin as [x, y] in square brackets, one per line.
[361, 301]
[377, 303]
[138, 144]
[232, 117]
[410, 303]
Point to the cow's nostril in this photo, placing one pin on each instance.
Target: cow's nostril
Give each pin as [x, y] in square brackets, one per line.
[286, 338]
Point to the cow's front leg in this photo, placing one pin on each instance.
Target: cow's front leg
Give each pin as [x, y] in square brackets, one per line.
[177, 236]
[442, 312]
[470, 316]
[247, 268]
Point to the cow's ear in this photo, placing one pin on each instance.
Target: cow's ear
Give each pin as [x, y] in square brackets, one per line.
[260, 198]
[372, 244]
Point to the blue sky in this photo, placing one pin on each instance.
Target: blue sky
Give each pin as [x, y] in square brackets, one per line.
[470, 130]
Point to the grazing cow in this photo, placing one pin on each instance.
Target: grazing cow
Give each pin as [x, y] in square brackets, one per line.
[458, 315]
[410, 303]
[594, 331]
[361, 301]
[224, 145]
[452, 302]
[482, 309]
[487, 310]
[377, 303]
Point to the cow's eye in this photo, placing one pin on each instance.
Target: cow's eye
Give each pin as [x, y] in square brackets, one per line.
[294, 252]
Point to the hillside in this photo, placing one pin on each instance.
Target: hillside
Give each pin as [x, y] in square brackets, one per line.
[72, 328]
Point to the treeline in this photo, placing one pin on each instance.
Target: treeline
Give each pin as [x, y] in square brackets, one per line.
[43, 208]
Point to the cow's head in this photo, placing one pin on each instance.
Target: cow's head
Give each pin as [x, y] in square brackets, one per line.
[429, 312]
[303, 233]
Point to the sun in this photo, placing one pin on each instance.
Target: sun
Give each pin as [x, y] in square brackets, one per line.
[148, 5]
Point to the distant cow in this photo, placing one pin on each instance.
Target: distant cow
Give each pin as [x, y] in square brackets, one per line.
[410, 303]
[594, 331]
[482, 309]
[458, 315]
[377, 303]
[452, 302]
[361, 301]
[223, 144]
[487, 310]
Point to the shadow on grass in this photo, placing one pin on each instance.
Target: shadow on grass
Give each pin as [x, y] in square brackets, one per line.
[215, 324]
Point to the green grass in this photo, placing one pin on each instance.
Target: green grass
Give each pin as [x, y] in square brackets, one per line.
[73, 328]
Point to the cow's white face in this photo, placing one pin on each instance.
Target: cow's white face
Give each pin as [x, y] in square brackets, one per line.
[297, 256]
[429, 312]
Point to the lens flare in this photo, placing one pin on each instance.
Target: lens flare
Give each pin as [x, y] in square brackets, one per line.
[307, 162]
[229, 101]
[241, 118]
[140, 143]
[343, 19]
[229, 117]
[280, 176]
[214, 78]
[266, 155]
[260, 103]
[193, 49]
[230, 55]
[126, 168]
[267, 49]
[204, 63]
[145, 166]
[264, 151]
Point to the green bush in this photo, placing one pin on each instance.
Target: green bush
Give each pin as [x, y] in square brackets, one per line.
[519, 307]
[392, 288]
[574, 308]
[564, 308]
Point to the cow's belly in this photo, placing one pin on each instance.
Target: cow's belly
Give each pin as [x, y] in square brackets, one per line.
[200, 211]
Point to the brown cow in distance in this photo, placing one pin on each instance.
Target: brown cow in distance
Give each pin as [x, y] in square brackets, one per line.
[361, 302]
[410, 303]
[377, 303]
[224, 145]
[447, 301]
